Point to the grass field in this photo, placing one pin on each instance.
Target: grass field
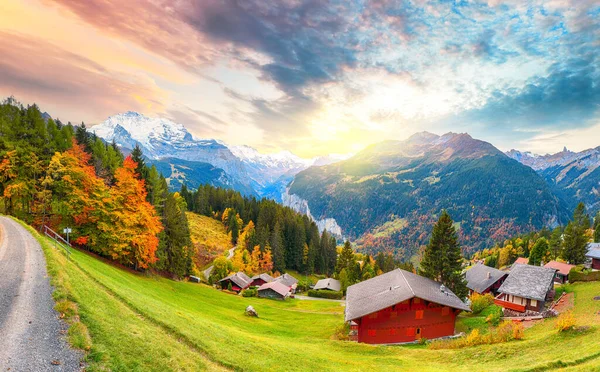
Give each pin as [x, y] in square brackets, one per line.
[149, 323]
[209, 237]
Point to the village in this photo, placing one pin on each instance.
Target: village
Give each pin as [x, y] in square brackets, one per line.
[402, 307]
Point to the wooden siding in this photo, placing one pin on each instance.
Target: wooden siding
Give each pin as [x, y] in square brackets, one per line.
[595, 263]
[407, 321]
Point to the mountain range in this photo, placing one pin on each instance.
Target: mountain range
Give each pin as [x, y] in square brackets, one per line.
[387, 196]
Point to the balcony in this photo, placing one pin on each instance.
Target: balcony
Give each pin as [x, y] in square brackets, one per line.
[510, 305]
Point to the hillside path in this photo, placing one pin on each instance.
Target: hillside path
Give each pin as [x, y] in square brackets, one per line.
[209, 270]
[30, 330]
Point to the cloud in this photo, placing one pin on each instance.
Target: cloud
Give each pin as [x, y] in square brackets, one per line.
[44, 73]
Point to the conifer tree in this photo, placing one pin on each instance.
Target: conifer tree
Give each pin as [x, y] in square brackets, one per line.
[555, 243]
[575, 240]
[597, 228]
[442, 259]
[277, 249]
[174, 252]
[539, 252]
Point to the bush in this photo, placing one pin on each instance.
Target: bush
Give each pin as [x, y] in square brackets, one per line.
[565, 322]
[333, 295]
[581, 274]
[507, 331]
[494, 317]
[480, 302]
[342, 333]
[303, 285]
[250, 292]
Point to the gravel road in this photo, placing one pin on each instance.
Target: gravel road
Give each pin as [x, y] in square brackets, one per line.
[31, 334]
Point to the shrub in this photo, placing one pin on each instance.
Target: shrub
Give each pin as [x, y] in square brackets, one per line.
[565, 322]
[250, 292]
[304, 285]
[480, 302]
[494, 317]
[333, 295]
[506, 331]
[229, 288]
[581, 274]
[342, 332]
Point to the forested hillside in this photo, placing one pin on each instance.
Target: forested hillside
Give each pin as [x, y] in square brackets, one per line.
[389, 195]
[60, 175]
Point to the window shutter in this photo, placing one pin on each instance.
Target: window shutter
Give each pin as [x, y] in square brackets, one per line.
[419, 314]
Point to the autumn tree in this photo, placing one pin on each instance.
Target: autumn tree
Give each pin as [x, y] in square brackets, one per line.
[442, 260]
[134, 220]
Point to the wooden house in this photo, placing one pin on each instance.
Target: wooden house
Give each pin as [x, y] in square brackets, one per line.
[484, 279]
[400, 306]
[261, 279]
[289, 281]
[563, 270]
[239, 281]
[328, 285]
[274, 290]
[526, 288]
[594, 255]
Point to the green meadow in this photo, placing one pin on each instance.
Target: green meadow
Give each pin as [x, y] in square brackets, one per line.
[148, 323]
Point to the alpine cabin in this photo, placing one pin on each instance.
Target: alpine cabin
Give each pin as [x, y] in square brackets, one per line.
[526, 288]
[563, 270]
[484, 279]
[399, 306]
[238, 281]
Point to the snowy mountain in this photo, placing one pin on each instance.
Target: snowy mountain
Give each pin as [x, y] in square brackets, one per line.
[246, 169]
[574, 176]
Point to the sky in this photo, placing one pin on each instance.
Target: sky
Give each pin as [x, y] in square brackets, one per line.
[315, 77]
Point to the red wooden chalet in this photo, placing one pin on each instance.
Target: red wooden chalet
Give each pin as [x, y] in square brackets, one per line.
[400, 306]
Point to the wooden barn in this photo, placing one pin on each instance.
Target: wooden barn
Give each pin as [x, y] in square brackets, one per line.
[274, 290]
[289, 281]
[484, 279]
[328, 285]
[563, 270]
[526, 288]
[261, 279]
[594, 255]
[238, 281]
[400, 306]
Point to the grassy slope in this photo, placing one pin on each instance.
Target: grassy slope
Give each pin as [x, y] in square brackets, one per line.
[209, 236]
[139, 322]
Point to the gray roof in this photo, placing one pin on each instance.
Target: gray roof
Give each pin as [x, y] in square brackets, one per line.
[331, 284]
[239, 278]
[528, 281]
[287, 280]
[392, 288]
[478, 280]
[266, 277]
[593, 250]
[278, 287]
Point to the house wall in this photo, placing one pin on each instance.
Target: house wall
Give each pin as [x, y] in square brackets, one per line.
[595, 264]
[270, 293]
[402, 323]
[529, 304]
[559, 278]
[257, 283]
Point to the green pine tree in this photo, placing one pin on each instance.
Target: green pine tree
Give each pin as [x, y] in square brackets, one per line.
[575, 240]
[538, 252]
[442, 259]
[597, 228]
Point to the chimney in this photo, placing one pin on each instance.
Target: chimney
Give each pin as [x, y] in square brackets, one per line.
[443, 288]
[489, 275]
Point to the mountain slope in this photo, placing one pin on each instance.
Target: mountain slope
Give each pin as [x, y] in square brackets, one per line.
[574, 176]
[246, 170]
[489, 195]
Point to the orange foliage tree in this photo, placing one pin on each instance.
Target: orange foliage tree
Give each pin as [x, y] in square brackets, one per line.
[134, 221]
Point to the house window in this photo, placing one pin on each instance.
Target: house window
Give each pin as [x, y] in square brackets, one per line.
[534, 303]
[410, 332]
[419, 314]
[393, 331]
[372, 332]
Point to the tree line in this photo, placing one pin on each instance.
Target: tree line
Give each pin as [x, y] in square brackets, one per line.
[567, 243]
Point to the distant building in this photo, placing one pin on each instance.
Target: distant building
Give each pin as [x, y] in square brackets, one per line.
[289, 281]
[520, 261]
[400, 306]
[261, 279]
[238, 281]
[484, 279]
[526, 288]
[274, 290]
[562, 275]
[594, 255]
[328, 285]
